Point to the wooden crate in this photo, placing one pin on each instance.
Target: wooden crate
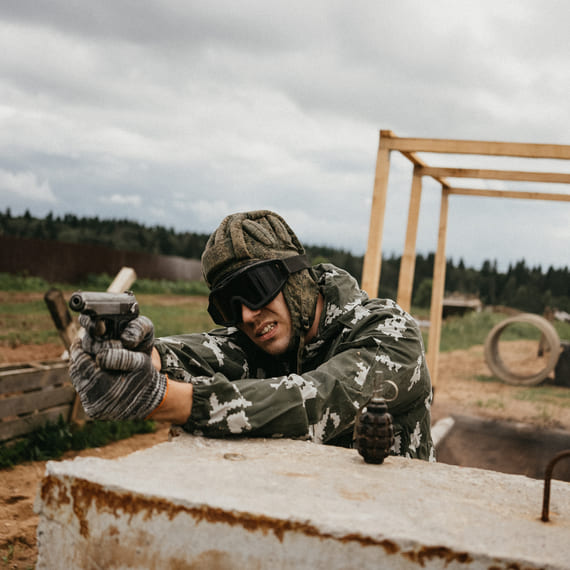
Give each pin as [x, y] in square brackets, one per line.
[32, 394]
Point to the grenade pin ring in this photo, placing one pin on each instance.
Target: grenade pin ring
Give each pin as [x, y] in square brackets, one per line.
[396, 390]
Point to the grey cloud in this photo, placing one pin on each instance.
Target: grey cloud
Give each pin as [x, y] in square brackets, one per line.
[201, 108]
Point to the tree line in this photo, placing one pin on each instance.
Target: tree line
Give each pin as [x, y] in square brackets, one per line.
[525, 288]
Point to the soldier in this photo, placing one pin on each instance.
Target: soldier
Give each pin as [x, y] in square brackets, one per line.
[297, 356]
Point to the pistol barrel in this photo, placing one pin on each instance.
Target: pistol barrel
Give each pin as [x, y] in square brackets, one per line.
[104, 304]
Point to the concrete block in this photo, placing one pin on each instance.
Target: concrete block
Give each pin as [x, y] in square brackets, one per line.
[256, 504]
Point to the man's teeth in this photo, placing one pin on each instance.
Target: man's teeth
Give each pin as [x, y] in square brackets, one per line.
[266, 329]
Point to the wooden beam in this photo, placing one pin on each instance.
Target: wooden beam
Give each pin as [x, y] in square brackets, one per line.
[373, 258]
[451, 146]
[509, 194]
[519, 176]
[408, 262]
[438, 290]
[123, 280]
[385, 137]
[417, 161]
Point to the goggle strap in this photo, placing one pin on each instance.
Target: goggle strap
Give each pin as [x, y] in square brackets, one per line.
[296, 263]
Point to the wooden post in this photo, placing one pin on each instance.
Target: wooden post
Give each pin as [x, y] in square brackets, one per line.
[438, 289]
[123, 280]
[373, 258]
[62, 320]
[408, 263]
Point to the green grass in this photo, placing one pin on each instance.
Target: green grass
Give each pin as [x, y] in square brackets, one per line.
[163, 287]
[9, 282]
[29, 308]
[29, 322]
[53, 439]
[26, 322]
[545, 398]
[545, 395]
[544, 416]
[182, 318]
[491, 403]
[7, 558]
[487, 379]
[461, 333]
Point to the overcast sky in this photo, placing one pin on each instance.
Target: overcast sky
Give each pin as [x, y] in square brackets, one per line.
[178, 112]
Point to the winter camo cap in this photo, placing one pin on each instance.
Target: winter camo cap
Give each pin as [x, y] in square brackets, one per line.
[244, 238]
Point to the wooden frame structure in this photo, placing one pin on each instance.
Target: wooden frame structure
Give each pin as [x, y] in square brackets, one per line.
[408, 147]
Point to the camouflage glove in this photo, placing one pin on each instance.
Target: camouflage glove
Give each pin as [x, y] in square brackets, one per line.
[116, 383]
[139, 335]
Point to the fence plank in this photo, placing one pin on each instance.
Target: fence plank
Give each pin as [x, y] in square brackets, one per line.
[31, 377]
[36, 401]
[22, 426]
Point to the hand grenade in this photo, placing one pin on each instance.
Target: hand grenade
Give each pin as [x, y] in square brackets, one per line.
[374, 431]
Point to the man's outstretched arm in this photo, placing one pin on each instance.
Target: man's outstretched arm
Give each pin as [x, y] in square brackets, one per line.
[176, 405]
[121, 379]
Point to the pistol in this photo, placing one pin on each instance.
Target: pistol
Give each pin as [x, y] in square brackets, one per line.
[110, 312]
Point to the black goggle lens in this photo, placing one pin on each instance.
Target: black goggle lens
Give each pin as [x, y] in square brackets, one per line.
[254, 285]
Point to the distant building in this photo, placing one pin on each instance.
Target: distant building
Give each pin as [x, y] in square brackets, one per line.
[460, 304]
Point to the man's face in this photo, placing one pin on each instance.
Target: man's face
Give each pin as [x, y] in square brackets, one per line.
[270, 327]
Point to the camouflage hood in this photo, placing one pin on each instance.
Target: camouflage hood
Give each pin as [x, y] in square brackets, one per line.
[244, 238]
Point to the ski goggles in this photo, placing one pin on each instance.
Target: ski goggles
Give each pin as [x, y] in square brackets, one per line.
[254, 285]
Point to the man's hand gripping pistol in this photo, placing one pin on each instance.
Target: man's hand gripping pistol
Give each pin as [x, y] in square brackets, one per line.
[110, 364]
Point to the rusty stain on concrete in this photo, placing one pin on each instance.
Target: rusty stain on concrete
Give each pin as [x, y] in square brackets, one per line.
[53, 492]
[85, 494]
[427, 553]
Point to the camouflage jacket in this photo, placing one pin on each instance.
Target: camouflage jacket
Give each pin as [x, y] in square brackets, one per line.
[240, 390]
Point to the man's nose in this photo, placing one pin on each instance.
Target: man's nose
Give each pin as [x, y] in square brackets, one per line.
[247, 314]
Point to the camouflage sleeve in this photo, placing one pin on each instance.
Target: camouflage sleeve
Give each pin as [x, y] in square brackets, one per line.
[227, 400]
[320, 404]
[406, 382]
[191, 356]
[382, 349]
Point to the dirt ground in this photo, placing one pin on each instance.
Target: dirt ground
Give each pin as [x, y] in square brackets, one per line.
[463, 387]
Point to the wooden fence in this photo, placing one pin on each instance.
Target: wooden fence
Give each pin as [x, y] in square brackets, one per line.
[62, 262]
[33, 394]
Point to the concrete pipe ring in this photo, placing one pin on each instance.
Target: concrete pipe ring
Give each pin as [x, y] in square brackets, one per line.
[498, 367]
